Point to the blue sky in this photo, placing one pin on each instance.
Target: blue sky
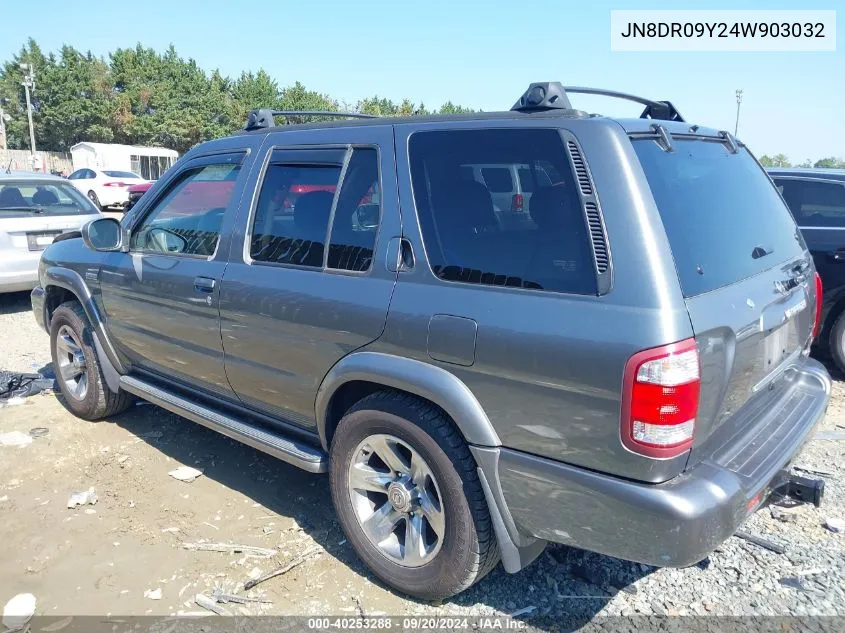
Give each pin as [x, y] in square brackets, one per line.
[476, 53]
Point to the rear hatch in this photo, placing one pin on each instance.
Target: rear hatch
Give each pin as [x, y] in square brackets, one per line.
[745, 273]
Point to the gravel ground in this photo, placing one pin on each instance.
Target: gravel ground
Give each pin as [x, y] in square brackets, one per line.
[103, 558]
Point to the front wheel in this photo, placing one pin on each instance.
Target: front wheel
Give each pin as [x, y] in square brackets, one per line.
[77, 367]
[408, 497]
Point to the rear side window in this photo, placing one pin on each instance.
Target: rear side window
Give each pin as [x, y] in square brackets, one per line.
[497, 179]
[120, 174]
[295, 208]
[466, 240]
[814, 203]
[724, 219]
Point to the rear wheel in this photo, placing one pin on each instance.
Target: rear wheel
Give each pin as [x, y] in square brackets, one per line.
[837, 342]
[77, 367]
[407, 494]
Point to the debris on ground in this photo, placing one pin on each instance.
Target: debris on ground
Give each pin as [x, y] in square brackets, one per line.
[38, 431]
[786, 514]
[281, 570]
[18, 611]
[834, 524]
[88, 497]
[813, 471]
[829, 435]
[17, 385]
[224, 598]
[210, 603]
[760, 542]
[15, 439]
[185, 473]
[153, 594]
[231, 548]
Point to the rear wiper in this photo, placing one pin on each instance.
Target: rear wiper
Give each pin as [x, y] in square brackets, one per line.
[33, 209]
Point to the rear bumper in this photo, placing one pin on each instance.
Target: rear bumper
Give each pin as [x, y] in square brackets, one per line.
[19, 270]
[676, 523]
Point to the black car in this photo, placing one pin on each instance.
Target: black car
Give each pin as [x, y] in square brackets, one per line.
[816, 198]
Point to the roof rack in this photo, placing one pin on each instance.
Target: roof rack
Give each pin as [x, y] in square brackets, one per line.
[551, 95]
[265, 117]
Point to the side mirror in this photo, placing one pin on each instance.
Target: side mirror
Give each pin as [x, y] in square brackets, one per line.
[103, 234]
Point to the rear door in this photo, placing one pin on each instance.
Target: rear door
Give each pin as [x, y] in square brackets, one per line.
[744, 271]
[308, 280]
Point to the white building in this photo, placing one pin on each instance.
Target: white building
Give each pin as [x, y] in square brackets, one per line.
[147, 162]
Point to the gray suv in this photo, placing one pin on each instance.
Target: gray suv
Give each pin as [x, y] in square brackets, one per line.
[626, 372]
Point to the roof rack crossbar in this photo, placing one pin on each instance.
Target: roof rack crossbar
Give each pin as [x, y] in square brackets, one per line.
[659, 110]
[264, 117]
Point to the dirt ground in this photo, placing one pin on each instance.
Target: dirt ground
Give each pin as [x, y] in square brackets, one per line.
[104, 558]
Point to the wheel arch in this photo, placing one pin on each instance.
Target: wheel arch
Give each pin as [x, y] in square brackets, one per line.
[362, 373]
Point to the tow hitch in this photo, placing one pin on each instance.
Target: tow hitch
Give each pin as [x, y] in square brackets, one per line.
[803, 489]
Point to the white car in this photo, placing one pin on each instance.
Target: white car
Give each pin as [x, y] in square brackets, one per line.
[105, 188]
[34, 210]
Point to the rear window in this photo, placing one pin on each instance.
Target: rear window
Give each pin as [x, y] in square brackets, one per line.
[724, 219]
[25, 197]
[121, 174]
[814, 203]
[497, 179]
[466, 240]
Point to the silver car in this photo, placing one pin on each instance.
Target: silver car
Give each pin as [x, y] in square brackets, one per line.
[34, 209]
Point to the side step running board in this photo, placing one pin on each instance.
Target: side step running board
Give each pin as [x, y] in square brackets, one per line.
[299, 454]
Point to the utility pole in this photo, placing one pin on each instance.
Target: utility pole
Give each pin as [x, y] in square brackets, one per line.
[3, 118]
[738, 102]
[29, 84]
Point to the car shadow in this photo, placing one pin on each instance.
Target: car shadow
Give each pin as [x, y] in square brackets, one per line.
[15, 302]
[562, 582]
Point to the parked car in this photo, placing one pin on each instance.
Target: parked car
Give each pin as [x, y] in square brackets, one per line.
[135, 192]
[510, 188]
[106, 188]
[629, 375]
[816, 198]
[34, 209]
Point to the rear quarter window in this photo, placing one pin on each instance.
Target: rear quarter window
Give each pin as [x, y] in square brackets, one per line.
[723, 217]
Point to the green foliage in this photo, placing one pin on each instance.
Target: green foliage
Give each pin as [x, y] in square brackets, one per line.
[830, 163]
[140, 96]
[779, 160]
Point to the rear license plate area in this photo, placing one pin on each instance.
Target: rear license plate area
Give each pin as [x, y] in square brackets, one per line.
[38, 241]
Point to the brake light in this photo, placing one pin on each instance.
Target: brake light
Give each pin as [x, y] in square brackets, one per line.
[516, 202]
[819, 298]
[115, 184]
[660, 400]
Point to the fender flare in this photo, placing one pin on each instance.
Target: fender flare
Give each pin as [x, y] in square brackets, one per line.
[71, 280]
[423, 379]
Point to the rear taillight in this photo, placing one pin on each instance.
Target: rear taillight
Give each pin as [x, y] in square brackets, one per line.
[516, 202]
[660, 400]
[819, 294]
[115, 184]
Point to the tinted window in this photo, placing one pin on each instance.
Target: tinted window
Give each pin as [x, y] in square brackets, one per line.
[292, 216]
[187, 219]
[464, 239]
[357, 215]
[27, 197]
[814, 203]
[724, 219]
[497, 179]
[527, 179]
[120, 174]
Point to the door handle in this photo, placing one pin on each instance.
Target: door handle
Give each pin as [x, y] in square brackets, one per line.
[204, 284]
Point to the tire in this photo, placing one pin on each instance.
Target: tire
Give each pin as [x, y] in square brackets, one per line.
[92, 196]
[836, 342]
[71, 335]
[466, 549]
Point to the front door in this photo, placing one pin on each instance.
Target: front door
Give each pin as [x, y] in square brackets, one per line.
[307, 283]
[161, 297]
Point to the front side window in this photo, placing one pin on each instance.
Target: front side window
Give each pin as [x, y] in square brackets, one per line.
[467, 241]
[295, 207]
[187, 219]
[819, 204]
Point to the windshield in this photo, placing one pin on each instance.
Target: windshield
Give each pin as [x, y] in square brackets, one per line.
[27, 197]
[121, 174]
[724, 219]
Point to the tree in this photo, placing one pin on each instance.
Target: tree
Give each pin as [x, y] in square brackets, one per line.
[779, 160]
[830, 163]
